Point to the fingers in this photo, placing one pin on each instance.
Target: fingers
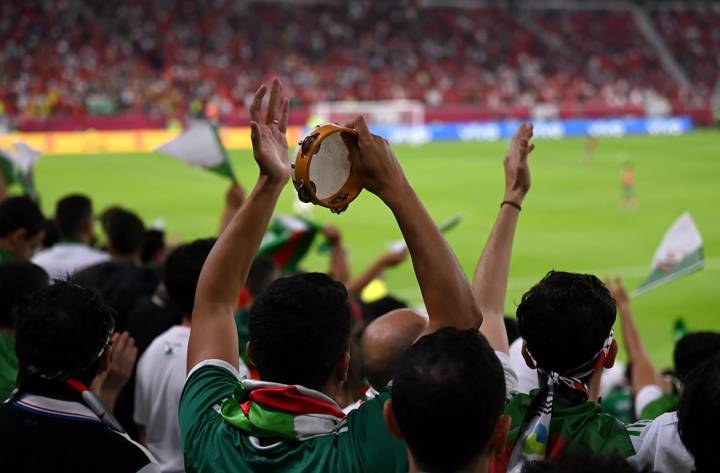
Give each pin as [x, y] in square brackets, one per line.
[360, 125]
[255, 106]
[254, 133]
[284, 113]
[274, 112]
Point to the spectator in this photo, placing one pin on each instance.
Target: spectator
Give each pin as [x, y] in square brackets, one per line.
[21, 228]
[18, 279]
[75, 222]
[154, 248]
[161, 370]
[54, 422]
[583, 461]
[121, 282]
[449, 382]
[299, 330]
[699, 414]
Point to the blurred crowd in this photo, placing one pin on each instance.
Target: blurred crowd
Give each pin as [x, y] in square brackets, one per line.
[222, 354]
[164, 58]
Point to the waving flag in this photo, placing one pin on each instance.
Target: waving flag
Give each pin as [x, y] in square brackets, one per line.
[679, 253]
[17, 164]
[200, 146]
[287, 240]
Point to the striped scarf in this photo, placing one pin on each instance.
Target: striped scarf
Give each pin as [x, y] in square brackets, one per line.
[266, 409]
[532, 441]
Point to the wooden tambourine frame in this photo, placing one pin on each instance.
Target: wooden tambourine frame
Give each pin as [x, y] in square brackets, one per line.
[306, 189]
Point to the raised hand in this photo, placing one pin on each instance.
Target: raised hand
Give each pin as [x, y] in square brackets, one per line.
[393, 258]
[375, 163]
[332, 234]
[235, 196]
[267, 133]
[517, 172]
[618, 292]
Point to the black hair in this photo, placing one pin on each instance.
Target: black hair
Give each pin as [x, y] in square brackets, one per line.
[445, 383]
[18, 279]
[61, 328]
[582, 460]
[52, 234]
[153, 243]
[71, 215]
[693, 350]
[511, 328]
[20, 212]
[565, 318]
[299, 327]
[261, 275]
[182, 270]
[380, 307]
[125, 231]
[699, 415]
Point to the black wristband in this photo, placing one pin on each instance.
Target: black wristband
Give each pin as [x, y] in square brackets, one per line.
[511, 203]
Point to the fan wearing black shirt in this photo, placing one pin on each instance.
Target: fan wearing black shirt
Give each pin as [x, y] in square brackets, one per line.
[53, 422]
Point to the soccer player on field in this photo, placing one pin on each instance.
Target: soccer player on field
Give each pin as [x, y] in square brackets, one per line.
[627, 180]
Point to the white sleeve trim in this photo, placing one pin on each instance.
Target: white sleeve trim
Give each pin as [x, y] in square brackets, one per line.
[646, 395]
[511, 378]
[149, 468]
[214, 362]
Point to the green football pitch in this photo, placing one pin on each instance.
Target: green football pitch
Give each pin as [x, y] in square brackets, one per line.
[571, 219]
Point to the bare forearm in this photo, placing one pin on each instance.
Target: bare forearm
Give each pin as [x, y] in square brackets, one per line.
[643, 371]
[339, 268]
[491, 277]
[445, 289]
[357, 284]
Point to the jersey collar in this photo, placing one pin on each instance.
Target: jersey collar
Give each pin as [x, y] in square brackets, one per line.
[55, 408]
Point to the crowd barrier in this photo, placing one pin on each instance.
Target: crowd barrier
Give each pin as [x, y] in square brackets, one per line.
[95, 141]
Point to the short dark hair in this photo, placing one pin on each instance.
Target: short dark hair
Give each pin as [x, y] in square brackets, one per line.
[699, 415]
[153, 243]
[446, 382]
[72, 214]
[125, 231]
[182, 270]
[693, 350]
[299, 327]
[261, 275]
[61, 328]
[583, 460]
[20, 212]
[565, 318]
[52, 234]
[18, 279]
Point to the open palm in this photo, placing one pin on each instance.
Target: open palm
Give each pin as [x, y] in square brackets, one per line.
[267, 132]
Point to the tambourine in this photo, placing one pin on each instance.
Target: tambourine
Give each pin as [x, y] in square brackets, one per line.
[322, 172]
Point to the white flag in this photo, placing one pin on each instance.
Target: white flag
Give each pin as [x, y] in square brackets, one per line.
[679, 253]
[200, 146]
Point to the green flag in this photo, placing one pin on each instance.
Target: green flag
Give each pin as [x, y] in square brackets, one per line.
[287, 240]
[680, 253]
[17, 164]
[200, 145]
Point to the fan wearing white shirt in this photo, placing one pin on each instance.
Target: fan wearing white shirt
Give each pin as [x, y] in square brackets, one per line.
[75, 222]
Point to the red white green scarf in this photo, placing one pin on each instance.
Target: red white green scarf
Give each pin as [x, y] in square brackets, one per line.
[532, 442]
[266, 409]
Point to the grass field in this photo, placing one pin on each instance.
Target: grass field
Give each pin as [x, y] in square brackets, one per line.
[571, 219]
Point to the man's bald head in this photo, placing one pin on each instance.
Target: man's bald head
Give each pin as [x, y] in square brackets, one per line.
[385, 341]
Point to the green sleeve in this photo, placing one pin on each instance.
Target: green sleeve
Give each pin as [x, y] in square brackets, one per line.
[380, 451]
[209, 383]
[665, 403]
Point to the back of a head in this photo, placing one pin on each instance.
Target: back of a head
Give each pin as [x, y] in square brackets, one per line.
[262, 273]
[20, 213]
[153, 246]
[699, 415]
[18, 279]
[72, 215]
[693, 350]
[125, 231]
[565, 318]
[182, 271]
[62, 328]
[447, 381]
[583, 461]
[299, 328]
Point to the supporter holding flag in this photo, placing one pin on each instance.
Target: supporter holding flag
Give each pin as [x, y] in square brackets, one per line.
[75, 223]
[54, 421]
[290, 421]
[22, 228]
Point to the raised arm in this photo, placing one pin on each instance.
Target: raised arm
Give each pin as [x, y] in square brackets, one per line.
[445, 289]
[213, 334]
[491, 276]
[642, 370]
[339, 267]
[388, 260]
[234, 198]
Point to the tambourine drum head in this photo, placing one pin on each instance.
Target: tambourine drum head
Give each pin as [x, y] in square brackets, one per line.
[330, 167]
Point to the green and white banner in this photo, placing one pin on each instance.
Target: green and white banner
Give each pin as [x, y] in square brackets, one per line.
[680, 253]
[200, 146]
[17, 164]
[287, 241]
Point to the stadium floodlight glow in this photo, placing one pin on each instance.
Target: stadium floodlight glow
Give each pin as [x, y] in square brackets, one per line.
[322, 172]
